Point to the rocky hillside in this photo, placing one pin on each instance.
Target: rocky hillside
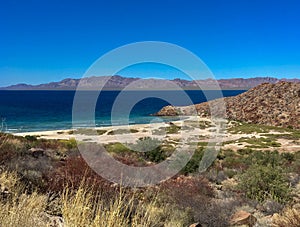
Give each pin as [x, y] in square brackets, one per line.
[270, 104]
[119, 82]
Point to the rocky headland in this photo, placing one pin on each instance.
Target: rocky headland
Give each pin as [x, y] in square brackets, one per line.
[268, 104]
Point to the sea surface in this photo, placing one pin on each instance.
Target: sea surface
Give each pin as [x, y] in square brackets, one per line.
[24, 111]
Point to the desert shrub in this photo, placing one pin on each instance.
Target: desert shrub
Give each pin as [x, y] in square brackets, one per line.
[145, 149]
[225, 153]
[290, 217]
[262, 182]
[272, 158]
[31, 170]
[295, 166]
[122, 131]
[233, 163]
[157, 155]
[259, 142]
[146, 144]
[230, 173]
[101, 131]
[123, 154]
[7, 152]
[230, 159]
[193, 165]
[86, 131]
[172, 129]
[130, 159]
[71, 172]
[245, 151]
[187, 191]
[249, 128]
[197, 194]
[117, 148]
[150, 149]
[70, 144]
[31, 138]
[269, 207]
[290, 157]
[215, 175]
[59, 146]
[11, 147]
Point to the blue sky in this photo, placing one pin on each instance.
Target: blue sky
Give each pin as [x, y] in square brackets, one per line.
[44, 41]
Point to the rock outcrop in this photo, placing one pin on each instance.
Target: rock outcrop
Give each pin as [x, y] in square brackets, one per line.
[242, 218]
[269, 104]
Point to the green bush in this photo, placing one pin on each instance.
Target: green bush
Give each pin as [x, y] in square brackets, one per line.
[146, 144]
[31, 138]
[117, 148]
[261, 183]
[172, 129]
[122, 131]
[150, 149]
[272, 158]
[70, 144]
[193, 164]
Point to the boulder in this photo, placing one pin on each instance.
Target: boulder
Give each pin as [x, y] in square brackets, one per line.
[36, 152]
[241, 218]
[196, 225]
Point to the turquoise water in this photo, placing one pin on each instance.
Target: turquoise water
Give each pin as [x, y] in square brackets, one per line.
[22, 111]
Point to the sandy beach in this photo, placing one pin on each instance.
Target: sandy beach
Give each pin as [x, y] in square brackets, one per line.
[192, 129]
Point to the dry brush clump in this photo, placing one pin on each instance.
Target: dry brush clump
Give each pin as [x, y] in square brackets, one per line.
[71, 172]
[89, 206]
[86, 205]
[82, 207]
[290, 217]
[198, 196]
[17, 208]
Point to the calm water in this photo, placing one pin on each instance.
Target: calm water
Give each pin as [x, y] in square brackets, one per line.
[52, 110]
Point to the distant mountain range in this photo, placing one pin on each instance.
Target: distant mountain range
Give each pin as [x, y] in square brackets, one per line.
[119, 82]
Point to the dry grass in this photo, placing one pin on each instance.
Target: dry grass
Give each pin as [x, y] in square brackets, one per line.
[290, 217]
[84, 208]
[18, 208]
[27, 211]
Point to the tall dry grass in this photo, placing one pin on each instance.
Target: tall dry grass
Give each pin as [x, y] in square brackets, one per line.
[85, 207]
[18, 208]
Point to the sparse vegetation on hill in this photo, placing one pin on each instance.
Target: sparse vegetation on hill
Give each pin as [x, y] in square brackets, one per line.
[267, 104]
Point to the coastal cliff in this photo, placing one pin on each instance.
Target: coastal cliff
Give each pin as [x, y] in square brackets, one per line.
[269, 104]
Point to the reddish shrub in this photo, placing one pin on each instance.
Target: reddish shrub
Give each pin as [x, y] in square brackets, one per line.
[72, 172]
[188, 191]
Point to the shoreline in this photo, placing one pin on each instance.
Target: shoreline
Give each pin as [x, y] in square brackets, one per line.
[187, 129]
[107, 136]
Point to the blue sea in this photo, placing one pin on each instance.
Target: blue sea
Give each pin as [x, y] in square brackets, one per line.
[24, 111]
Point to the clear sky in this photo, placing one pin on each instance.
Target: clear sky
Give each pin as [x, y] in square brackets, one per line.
[49, 40]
